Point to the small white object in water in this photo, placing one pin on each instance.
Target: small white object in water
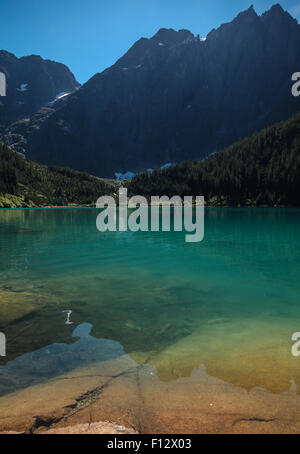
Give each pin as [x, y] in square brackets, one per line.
[68, 322]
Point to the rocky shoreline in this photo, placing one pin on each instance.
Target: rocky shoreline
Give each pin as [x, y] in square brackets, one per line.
[137, 401]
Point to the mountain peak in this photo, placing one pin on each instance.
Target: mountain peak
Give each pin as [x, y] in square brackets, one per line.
[164, 38]
[241, 23]
[276, 12]
[276, 8]
[251, 10]
[248, 13]
[168, 36]
[32, 83]
[5, 53]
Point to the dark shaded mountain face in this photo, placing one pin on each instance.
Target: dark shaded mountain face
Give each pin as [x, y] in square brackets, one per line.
[31, 84]
[173, 97]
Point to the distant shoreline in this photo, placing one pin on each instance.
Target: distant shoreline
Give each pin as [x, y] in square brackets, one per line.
[94, 206]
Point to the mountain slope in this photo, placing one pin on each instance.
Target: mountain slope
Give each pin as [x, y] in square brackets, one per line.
[173, 97]
[261, 170]
[32, 83]
[26, 184]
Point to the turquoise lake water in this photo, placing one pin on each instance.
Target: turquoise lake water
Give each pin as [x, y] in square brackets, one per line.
[230, 302]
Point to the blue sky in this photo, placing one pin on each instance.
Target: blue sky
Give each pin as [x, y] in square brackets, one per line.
[90, 35]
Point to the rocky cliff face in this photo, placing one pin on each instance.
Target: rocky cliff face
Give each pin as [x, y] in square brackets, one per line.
[174, 97]
[31, 84]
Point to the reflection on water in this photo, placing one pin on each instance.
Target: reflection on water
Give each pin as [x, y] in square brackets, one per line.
[230, 303]
[57, 359]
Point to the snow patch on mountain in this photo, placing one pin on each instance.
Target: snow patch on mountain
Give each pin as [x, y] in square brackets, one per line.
[128, 175]
[23, 87]
[60, 95]
[166, 166]
[124, 176]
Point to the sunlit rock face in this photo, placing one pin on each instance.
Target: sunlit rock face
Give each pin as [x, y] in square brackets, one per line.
[173, 97]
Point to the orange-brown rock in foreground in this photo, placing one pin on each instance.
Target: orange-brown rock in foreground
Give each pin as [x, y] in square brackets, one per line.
[93, 428]
[137, 401]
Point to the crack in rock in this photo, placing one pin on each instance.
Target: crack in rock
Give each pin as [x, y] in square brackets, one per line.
[81, 402]
[252, 419]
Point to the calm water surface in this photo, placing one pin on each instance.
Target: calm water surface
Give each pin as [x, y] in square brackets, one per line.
[229, 303]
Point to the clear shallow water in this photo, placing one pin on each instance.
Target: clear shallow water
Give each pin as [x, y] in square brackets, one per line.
[230, 303]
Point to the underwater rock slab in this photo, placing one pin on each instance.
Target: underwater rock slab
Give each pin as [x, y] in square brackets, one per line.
[16, 305]
[59, 401]
[132, 396]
